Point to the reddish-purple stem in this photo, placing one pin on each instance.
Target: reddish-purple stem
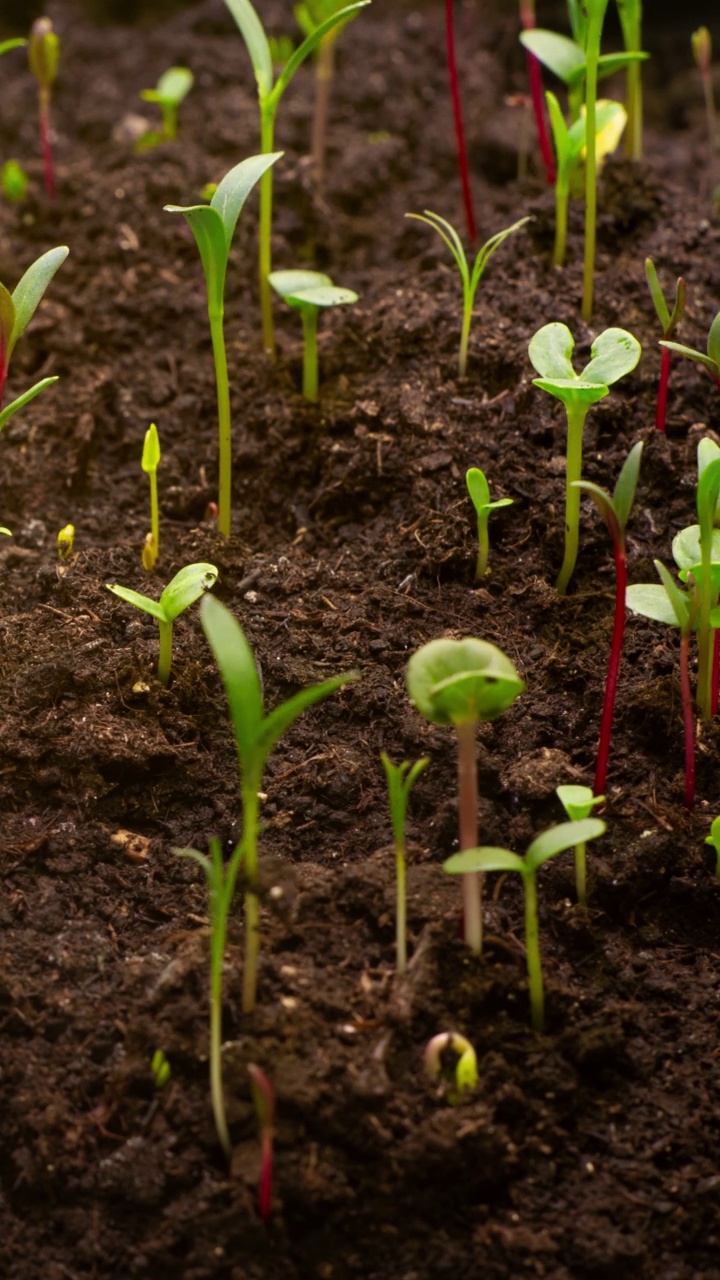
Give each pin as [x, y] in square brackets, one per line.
[613, 668]
[715, 682]
[266, 1172]
[688, 722]
[527, 18]
[457, 115]
[661, 408]
[48, 168]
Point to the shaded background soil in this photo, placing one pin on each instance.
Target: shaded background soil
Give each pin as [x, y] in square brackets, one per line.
[587, 1152]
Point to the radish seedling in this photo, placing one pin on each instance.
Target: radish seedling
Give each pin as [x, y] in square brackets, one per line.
[263, 1096]
[16, 312]
[470, 279]
[613, 354]
[183, 590]
[714, 840]
[172, 88]
[43, 55]
[479, 490]
[711, 361]
[527, 19]
[578, 803]
[213, 226]
[463, 682]
[310, 14]
[309, 292]
[570, 149]
[547, 845]
[149, 462]
[461, 1072]
[400, 781]
[669, 321]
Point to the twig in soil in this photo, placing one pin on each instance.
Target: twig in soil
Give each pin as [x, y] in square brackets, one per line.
[669, 322]
[43, 55]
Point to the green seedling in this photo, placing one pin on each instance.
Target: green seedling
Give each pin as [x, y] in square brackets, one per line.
[527, 20]
[16, 312]
[149, 462]
[669, 320]
[173, 86]
[311, 14]
[578, 803]
[479, 490]
[13, 182]
[570, 150]
[309, 292]
[613, 354]
[547, 845]
[6, 532]
[263, 1096]
[630, 13]
[714, 840]
[270, 91]
[451, 1056]
[400, 781]
[711, 361]
[43, 56]
[701, 42]
[185, 588]
[281, 50]
[213, 226]
[462, 683]
[567, 60]
[595, 10]
[160, 1068]
[470, 278]
[66, 542]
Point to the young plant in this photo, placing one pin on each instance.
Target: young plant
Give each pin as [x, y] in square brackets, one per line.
[310, 14]
[714, 840]
[527, 19]
[595, 10]
[149, 462]
[270, 91]
[462, 683]
[400, 781]
[615, 511]
[570, 150]
[263, 1096]
[613, 354]
[171, 89]
[309, 292]
[43, 55]
[66, 542]
[458, 122]
[14, 182]
[185, 588]
[711, 361]
[213, 226]
[701, 42]
[452, 1056]
[567, 60]
[479, 490]
[547, 845]
[630, 13]
[16, 312]
[470, 279]
[578, 803]
[160, 1068]
[669, 321]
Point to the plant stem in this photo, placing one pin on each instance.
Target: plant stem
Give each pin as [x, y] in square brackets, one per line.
[483, 534]
[596, 14]
[165, 655]
[562, 194]
[267, 141]
[154, 514]
[576, 415]
[217, 335]
[48, 168]
[581, 873]
[465, 330]
[468, 805]
[661, 407]
[527, 18]
[688, 722]
[715, 686]
[704, 634]
[324, 73]
[219, 926]
[634, 131]
[457, 116]
[613, 668]
[310, 352]
[266, 1169]
[252, 906]
[532, 952]
[401, 924]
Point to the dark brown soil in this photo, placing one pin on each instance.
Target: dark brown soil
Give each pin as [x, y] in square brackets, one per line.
[588, 1152]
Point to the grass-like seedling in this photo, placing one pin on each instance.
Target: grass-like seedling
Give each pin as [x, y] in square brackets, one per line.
[567, 60]
[400, 781]
[171, 89]
[479, 490]
[547, 845]
[615, 511]
[570, 143]
[66, 542]
[263, 1096]
[14, 182]
[149, 462]
[578, 803]
[311, 14]
[452, 1056]
[711, 360]
[43, 55]
[464, 682]
[613, 354]
[714, 840]
[161, 1070]
[458, 121]
[270, 91]
[630, 12]
[309, 292]
[213, 226]
[527, 19]
[669, 320]
[470, 278]
[183, 590]
[701, 42]
[16, 312]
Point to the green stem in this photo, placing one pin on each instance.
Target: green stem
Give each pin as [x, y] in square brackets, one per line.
[401, 928]
[216, 1081]
[576, 415]
[465, 334]
[704, 634]
[595, 23]
[581, 873]
[310, 353]
[324, 72]
[267, 140]
[532, 949]
[154, 514]
[217, 335]
[165, 655]
[468, 804]
[483, 534]
[561, 221]
[252, 906]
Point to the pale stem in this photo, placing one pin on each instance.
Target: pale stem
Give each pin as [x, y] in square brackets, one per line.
[576, 415]
[483, 545]
[634, 136]
[532, 947]
[267, 139]
[465, 334]
[597, 13]
[216, 1082]
[561, 219]
[468, 813]
[217, 335]
[581, 873]
[324, 72]
[154, 513]
[252, 905]
[310, 352]
[165, 655]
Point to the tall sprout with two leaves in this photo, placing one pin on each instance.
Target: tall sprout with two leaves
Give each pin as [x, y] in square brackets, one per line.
[270, 91]
[16, 311]
[570, 142]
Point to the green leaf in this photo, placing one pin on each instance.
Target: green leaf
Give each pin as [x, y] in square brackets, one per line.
[274, 725]
[614, 353]
[28, 293]
[657, 295]
[295, 281]
[681, 604]
[238, 670]
[309, 289]
[564, 836]
[10, 409]
[233, 191]
[490, 247]
[7, 324]
[558, 53]
[604, 504]
[707, 452]
[708, 492]
[713, 342]
[691, 354]
[478, 489]
[207, 227]
[151, 450]
[173, 85]
[486, 858]
[141, 602]
[186, 587]
[322, 296]
[578, 802]
[573, 390]
[610, 63]
[7, 45]
[551, 350]
[310, 43]
[686, 547]
[624, 493]
[462, 681]
[252, 32]
[561, 135]
[651, 601]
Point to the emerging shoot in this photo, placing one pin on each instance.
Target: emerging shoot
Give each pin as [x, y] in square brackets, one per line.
[714, 840]
[160, 1068]
[263, 1096]
[14, 182]
[669, 320]
[578, 803]
[185, 588]
[701, 41]
[479, 491]
[309, 292]
[711, 361]
[43, 55]
[173, 86]
[400, 781]
[149, 462]
[311, 14]
[451, 1056]
[65, 542]
[16, 312]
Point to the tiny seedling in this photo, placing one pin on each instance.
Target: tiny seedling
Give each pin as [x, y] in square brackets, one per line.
[213, 226]
[714, 840]
[458, 121]
[311, 14]
[570, 144]
[613, 354]
[470, 279]
[43, 55]
[451, 1056]
[66, 542]
[400, 781]
[711, 361]
[16, 312]
[173, 86]
[701, 42]
[527, 19]
[13, 182]
[463, 682]
[669, 320]
[263, 1096]
[160, 1068]
[479, 490]
[149, 462]
[578, 803]
[630, 13]
[185, 588]
[309, 292]
[547, 845]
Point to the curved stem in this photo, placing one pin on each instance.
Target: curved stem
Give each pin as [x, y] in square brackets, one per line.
[613, 669]
[217, 335]
[576, 415]
[468, 813]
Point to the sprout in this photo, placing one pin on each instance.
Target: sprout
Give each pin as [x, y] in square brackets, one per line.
[185, 588]
[309, 292]
[566, 58]
[479, 491]
[66, 541]
[263, 1096]
[310, 14]
[160, 1068]
[711, 361]
[16, 312]
[714, 840]
[43, 55]
[400, 781]
[462, 1072]
[149, 462]
[570, 145]
[578, 803]
[13, 182]
[669, 321]
[701, 42]
[173, 86]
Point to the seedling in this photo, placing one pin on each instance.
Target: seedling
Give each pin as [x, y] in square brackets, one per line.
[65, 542]
[527, 18]
[578, 803]
[714, 840]
[16, 312]
[213, 226]
[185, 588]
[309, 292]
[567, 60]
[669, 321]
[452, 1056]
[711, 361]
[570, 149]
[595, 10]
[470, 279]
[479, 491]
[160, 1068]
[270, 91]
[13, 182]
[458, 122]
[462, 682]
[263, 1096]
[149, 462]
[615, 511]
[701, 42]
[43, 55]
[255, 736]
[630, 13]
[400, 781]
[547, 845]
[172, 88]
[613, 354]
[310, 14]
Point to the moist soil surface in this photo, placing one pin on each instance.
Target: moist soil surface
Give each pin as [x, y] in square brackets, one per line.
[588, 1151]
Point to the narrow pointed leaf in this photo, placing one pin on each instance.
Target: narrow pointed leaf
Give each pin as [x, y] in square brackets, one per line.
[274, 725]
[311, 42]
[604, 504]
[624, 493]
[29, 291]
[562, 837]
[251, 30]
[208, 229]
[558, 53]
[691, 354]
[657, 295]
[186, 587]
[141, 602]
[235, 188]
[713, 342]
[287, 283]
[12, 408]
[679, 602]
[236, 662]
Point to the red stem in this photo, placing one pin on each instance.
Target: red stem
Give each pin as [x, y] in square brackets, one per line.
[613, 668]
[48, 169]
[688, 722]
[457, 115]
[266, 1171]
[715, 685]
[527, 17]
[661, 409]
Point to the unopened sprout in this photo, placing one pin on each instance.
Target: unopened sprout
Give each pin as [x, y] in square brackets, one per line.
[149, 462]
[263, 1096]
[66, 541]
[400, 781]
[185, 588]
[452, 1056]
[160, 1068]
[479, 491]
[310, 292]
[578, 803]
[43, 55]
[714, 840]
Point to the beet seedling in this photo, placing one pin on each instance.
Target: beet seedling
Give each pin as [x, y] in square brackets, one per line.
[16, 312]
[547, 845]
[263, 1096]
[711, 361]
[400, 781]
[183, 590]
[43, 56]
[578, 803]
[613, 354]
[669, 321]
[452, 1056]
[479, 490]
[463, 682]
[213, 226]
[172, 88]
[149, 462]
[458, 121]
[309, 292]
